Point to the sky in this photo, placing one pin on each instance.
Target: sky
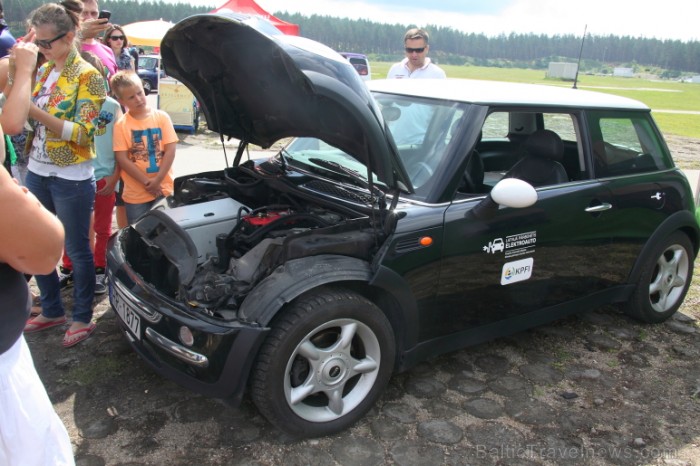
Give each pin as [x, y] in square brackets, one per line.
[667, 19]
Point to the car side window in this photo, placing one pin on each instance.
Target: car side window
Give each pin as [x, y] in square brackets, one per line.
[507, 148]
[562, 124]
[495, 126]
[624, 144]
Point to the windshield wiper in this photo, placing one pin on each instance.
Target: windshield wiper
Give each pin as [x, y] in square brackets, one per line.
[353, 176]
[339, 169]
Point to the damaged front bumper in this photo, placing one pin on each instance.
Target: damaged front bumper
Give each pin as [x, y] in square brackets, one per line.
[202, 353]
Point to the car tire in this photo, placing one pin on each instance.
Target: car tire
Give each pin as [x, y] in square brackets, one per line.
[147, 87]
[664, 280]
[327, 359]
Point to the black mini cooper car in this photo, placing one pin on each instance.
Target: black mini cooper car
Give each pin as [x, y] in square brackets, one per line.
[405, 219]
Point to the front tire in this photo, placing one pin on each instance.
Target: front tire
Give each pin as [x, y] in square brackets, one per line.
[327, 359]
[664, 281]
[147, 87]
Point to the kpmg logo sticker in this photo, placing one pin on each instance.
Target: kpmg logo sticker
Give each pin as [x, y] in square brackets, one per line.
[517, 271]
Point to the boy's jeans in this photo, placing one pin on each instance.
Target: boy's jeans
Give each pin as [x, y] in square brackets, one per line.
[134, 211]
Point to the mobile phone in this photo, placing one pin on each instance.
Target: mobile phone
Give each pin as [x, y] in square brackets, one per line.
[104, 14]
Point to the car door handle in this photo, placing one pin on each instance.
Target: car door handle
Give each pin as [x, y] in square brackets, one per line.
[599, 208]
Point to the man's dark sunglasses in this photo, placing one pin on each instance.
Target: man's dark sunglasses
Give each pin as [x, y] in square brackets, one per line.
[417, 50]
[46, 44]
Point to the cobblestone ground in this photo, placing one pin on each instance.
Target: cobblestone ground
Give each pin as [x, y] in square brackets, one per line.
[596, 389]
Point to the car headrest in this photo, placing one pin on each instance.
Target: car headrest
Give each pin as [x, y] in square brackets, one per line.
[545, 144]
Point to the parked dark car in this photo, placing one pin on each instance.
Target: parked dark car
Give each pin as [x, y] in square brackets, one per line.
[360, 62]
[407, 218]
[150, 71]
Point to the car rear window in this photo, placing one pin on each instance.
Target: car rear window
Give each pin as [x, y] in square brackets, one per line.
[625, 144]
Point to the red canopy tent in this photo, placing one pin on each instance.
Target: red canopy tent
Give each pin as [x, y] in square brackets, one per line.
[251, 8]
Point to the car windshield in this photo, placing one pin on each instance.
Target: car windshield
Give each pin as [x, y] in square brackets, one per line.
[422, 130]
[147, 63]
[316, 154]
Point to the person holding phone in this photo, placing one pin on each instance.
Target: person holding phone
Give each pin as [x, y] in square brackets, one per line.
[91, 27]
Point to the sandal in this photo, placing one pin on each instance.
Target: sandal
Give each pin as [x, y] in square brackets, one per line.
[32, 326]
[73, 338]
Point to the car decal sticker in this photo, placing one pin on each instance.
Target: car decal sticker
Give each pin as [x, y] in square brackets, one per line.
[520, 244]
[517, 271]
[514, 245]
[494, 246]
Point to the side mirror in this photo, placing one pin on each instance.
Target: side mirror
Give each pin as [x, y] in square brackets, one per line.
[512, 192]
[509, 192]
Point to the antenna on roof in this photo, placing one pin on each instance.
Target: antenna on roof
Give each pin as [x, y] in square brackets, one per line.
[580, 52]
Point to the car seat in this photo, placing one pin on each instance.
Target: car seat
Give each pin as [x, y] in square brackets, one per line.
[541, 164]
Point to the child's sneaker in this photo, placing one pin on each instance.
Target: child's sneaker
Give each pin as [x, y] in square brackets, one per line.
[65, 277]
[100, 282]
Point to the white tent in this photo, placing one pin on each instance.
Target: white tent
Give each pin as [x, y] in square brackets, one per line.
[147, 33]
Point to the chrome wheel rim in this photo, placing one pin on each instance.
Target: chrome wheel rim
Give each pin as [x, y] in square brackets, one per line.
[332, 370]
[669, 278]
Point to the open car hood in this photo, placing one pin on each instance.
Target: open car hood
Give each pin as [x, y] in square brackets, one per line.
[258, 85]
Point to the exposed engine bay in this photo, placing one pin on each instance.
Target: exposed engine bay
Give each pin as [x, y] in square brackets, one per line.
[223, 232]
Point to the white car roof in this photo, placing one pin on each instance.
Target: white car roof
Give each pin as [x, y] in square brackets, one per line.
[503, 93]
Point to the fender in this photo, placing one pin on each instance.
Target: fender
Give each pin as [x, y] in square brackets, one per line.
[405, 320]
[298, 276]
[295, 277]
[683, 220]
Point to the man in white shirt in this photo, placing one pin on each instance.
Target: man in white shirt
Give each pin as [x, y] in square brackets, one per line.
[410, 127]
[416, 65]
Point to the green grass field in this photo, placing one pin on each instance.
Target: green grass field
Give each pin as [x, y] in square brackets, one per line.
[658, 95]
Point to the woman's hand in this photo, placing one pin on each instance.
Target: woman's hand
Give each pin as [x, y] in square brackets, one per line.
[23, 56]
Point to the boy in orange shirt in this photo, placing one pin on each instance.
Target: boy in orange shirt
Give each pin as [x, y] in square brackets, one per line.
[144, 146]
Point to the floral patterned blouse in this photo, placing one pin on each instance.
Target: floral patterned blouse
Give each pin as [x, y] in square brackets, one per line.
[77, 97]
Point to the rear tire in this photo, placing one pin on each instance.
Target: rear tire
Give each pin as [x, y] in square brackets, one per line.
[664, 281]
[147, 87]
[328, 358]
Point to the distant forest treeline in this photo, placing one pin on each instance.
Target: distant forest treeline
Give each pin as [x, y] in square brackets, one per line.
[450, 46]
[123, 11]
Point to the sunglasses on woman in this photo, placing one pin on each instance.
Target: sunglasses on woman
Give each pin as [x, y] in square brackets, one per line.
[116, 37]
[46, 44]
